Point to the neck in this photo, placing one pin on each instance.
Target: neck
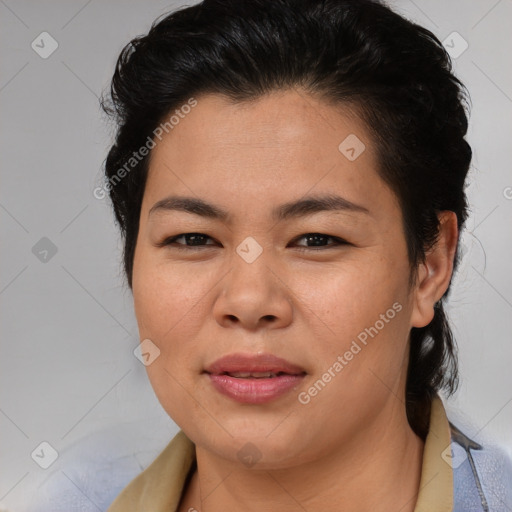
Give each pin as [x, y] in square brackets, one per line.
[378, 470]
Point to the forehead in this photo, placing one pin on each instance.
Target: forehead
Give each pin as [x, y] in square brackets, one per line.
[286, 143]
[277, 119]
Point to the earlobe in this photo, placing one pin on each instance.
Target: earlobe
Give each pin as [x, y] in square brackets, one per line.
[435, 273]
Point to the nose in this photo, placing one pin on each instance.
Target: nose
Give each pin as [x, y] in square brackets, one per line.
[253, 297]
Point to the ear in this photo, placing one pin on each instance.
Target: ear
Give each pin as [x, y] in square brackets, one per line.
[435, 273]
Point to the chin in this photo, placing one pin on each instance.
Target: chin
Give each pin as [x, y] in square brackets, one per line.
[269, 442]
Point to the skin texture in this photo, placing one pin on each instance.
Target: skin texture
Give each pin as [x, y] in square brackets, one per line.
[298, 301]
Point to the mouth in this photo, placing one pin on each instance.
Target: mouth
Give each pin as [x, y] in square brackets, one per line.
[255, 375]
[254, 379]
[253, 365]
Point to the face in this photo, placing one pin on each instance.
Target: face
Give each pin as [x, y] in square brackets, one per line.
[265, 232]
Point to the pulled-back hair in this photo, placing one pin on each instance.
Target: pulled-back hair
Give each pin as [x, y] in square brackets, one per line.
[359, 53]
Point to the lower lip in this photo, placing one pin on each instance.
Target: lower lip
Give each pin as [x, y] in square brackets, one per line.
[255, 391]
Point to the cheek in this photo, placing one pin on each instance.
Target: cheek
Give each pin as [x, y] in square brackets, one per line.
[362, 309]
[167, 303]
[362, 344]
[165, 295]
[353, 293]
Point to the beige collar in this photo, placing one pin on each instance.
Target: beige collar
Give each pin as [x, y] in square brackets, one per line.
[436, 484]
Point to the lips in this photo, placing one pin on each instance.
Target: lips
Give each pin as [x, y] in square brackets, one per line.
[254, 379]
[253, 365]
[255, 375]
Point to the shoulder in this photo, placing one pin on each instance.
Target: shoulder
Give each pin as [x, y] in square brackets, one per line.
[482, 475]
[90, 474]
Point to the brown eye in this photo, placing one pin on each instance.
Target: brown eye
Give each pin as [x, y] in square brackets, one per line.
[185, 240]
[319, 240]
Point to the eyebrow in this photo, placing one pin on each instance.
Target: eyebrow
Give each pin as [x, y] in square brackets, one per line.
[300, 208]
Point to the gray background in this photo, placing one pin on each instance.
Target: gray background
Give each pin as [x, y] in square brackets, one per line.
[68, 373]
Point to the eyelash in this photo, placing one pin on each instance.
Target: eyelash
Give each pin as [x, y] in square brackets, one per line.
[170, 241]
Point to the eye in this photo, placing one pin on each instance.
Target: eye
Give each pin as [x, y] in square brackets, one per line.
[314, 241]
[189, 239]
[317, 241]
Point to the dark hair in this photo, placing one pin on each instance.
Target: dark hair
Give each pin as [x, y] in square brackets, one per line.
[358, 53]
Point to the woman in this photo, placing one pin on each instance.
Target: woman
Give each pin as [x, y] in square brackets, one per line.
[289, 177]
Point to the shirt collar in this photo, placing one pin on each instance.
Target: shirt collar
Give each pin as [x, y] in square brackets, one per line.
[436, 484]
